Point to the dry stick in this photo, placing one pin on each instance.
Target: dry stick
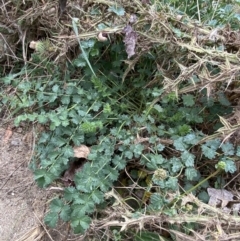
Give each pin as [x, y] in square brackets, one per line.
[11, 175]
[33, 144]
[194, 187]
[231, 180]
[43, 226]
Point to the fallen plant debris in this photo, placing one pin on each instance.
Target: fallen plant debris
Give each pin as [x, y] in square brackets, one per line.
[81, 151]
[7, 135]
[130, 40]
[153, 88]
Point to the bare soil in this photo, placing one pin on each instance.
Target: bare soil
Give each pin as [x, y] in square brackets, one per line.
[22, 203]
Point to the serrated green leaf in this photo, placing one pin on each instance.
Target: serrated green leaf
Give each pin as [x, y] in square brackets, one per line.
[223, 99]
[44, 138]
[97, 106]
[176, 164]
[68, 151]
[56, 205]
[188, 100]
[65, 213]
[65, 99]
[105, 185]
[188, 159]
[56, 169]
[172, 183]
[97, 196]
[128, 154]
[117, 9]
[112, 174]
[39, 173]
[80, 61]
[42, 119]
[119, 162]
[51, 219]
[82, 221]
[53, 154]
[203, 196]
[9, 78]
[138, 149]
[190, 173]
[180, 145]
[76, 99]
[184, 129]
[70, 89]
[43, 177]
[78, 229]
[159, 147]
[191, 139]
[65, 123]
[58, 141]
[230, 165]
[55, 88]
[32, 117]
[107, 109]
[156, 202]
[238, 151]
[77, 210]
[227, 148]
[214, 144]
[158, 108]
[157, 159]
[71, 194]
[208, 152]
[60, 160]
[55, 120]
[88, 43]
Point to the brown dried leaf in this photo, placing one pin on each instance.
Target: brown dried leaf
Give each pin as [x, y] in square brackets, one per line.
[130, 40]
[217, 195]
[81, 151]
[7, 135]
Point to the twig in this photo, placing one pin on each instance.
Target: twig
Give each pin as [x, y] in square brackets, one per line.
[43, 226]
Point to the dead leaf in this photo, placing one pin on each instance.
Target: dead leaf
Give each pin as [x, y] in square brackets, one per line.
[130, 40]
[81, 151]
[7, 135]
[28, 138]
[219, 195]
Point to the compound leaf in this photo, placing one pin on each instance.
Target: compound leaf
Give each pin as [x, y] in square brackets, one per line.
[51, 219]
[117, 9]
[190, 173]
[188, 100]
[188, 159]
[65, 213]
[56, 205]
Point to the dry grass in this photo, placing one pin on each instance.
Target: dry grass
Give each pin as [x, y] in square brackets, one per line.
[26, 21]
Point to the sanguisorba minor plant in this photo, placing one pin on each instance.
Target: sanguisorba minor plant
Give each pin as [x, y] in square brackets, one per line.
[130, 118]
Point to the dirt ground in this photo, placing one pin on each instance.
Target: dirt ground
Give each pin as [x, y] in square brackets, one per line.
[22, 203]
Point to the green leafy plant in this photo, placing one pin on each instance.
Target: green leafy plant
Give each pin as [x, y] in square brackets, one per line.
[150, 122]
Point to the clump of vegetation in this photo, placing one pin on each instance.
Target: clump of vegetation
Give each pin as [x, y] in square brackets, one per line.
[150, 89]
